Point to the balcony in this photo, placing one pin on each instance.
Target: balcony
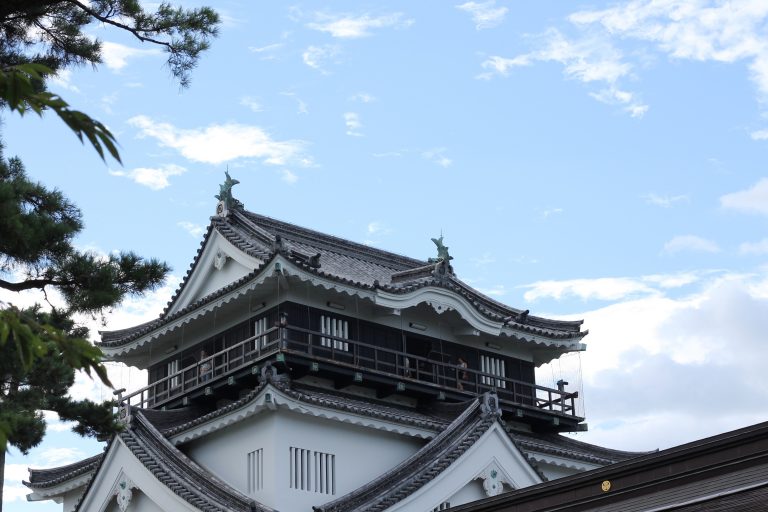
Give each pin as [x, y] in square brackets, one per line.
[344, 361]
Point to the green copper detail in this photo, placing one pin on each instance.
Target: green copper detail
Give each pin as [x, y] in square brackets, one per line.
[442, 251]
[225, 192]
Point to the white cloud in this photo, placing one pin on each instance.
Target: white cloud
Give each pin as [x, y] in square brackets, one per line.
[437, 155]
[726, 32]
[760, 247]
[378, 228]
[664, 201]
[352, 27]
[116, 56]
[486, 259]
[363, 97]
[552, 211]
[316, 57]
[270, 48]
[604, 288]
[301, 106]
[628, 100]
[390, 154]
[494, 291]
[654, 348]
[63, 79]
[196, 230]
[288, 177]
[352, 120]
[251, 103]
[751, 200]
[690, 243]
[108, 101]
[220, 143]
[154, 178]
[759, 135]
[608, 288]
[484, 14]
[672, 280]
[502, 65]
[588, 59]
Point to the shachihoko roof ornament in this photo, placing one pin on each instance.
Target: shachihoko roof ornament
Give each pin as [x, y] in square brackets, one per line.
[226, 200]
[442, 251]
[442, 263]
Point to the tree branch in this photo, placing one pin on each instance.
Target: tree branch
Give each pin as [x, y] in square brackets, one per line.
[109, 21]
[28, 285]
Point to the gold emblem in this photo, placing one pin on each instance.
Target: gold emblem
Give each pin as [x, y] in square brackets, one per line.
[605, 486]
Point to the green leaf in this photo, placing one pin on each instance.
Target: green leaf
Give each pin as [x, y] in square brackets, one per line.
[17, 89]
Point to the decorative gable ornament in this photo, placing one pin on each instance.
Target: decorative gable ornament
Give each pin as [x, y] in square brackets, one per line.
[124, 492]
[493, 480]
[219, 260]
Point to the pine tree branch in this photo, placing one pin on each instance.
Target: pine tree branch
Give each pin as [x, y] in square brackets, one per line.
[30, 284]
[109, 21]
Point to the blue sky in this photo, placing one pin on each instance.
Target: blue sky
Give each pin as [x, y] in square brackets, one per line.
[600, 160]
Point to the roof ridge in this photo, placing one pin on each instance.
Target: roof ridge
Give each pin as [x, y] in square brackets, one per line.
[343, 245]
[203, 484]
[62, 473]
[305, 397]
[530, 438]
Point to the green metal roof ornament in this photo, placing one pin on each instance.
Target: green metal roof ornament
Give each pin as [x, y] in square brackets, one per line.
[442, 251]
[226, 200]
[442, 263]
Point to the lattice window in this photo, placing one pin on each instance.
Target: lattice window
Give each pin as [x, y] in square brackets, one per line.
[494, 366]
[173, 367]
[325, 473]
[337, 328]
[255, 470]
[443, 506]
[260, 327]
[312, 471]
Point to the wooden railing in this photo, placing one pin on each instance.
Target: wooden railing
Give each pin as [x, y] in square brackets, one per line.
[409, 367]
[203, 372]
[355, 355]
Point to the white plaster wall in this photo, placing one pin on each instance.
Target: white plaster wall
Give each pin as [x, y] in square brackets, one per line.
[473, 491]
[224, 453]
[217, 279]
[361, 454]
[71, 498]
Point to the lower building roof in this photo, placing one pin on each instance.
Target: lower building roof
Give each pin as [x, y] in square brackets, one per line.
[724, 472]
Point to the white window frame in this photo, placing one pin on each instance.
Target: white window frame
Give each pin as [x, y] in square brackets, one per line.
[494, 366]
[173, 367]
[334, 327]
[260, 327]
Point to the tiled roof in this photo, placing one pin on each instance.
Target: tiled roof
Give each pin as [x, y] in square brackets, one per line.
[312, 396]
[343, 261]
[43, 478]
[419, 469]
[562, 446]
[180, 474]
[456, 428]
